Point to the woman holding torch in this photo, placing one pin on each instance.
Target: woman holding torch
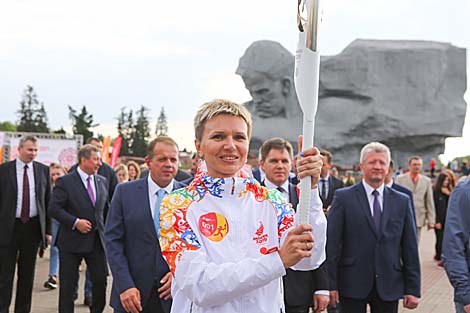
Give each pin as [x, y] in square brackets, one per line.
[227, 239]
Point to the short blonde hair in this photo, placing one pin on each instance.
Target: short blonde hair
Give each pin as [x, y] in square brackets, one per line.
[217, 107]
[58, 166]
[375, 147]
[122, 167]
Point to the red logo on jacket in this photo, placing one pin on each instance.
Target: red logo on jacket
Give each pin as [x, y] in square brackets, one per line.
[260, 236]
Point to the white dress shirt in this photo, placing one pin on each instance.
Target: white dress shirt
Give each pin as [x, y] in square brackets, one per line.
[84, 176]
[324, 182]
[370, 197]
[284, 186]
[153, 189]
[33, 211]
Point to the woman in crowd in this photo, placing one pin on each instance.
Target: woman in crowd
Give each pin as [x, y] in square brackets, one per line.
[134, 170]
[56, 171]
[453, 178]
[122, 173]
[227, 239]
[442, 190]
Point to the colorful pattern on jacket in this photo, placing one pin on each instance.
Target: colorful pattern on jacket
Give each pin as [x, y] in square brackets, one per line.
[176, 234]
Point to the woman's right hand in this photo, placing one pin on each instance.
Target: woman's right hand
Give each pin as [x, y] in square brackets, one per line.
[297, 245]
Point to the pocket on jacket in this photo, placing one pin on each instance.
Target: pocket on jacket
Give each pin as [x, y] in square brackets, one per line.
[348, 261]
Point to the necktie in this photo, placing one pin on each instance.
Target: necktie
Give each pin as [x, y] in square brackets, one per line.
[377, 210]
[90, 191]
[323, 189]
[25, 203]
[281, 189]
[156, 211]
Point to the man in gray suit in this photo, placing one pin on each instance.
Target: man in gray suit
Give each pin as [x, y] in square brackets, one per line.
[421, 186]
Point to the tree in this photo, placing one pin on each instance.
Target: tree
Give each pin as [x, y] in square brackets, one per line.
[60, 131]
[141, 133]
[7, 126]
[32, 115]
[82, 122]
[162, 125]
[40, 120]
[125, 129]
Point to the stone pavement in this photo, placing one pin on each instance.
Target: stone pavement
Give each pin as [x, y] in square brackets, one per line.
[437, 293]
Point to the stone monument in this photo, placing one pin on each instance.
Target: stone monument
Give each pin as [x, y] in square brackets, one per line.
[267, 69]
[406, 94]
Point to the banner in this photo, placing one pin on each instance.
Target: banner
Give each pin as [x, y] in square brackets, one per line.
[116, 151]
[105, 150]
[63, 151]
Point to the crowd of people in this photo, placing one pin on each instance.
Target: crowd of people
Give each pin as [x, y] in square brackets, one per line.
[225, 237]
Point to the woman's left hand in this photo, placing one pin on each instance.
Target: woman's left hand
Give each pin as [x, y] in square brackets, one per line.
[309, 163]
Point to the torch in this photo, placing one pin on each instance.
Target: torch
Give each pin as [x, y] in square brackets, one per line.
[306, 79]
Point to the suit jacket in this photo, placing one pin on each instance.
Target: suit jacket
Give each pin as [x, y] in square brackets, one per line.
[455, 247]
[8, 198]
[257, 174]
[300, 286]
[132, 245]
[422, 198]
[359, 255]
[110, 175]
[407, 192]
[333, 184]
[70, 200]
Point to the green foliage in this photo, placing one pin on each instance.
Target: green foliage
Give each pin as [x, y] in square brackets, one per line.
[82, 122]
[7, 126]
[32, 115]
[125, 129]
[40, 120]
[141, 133]
[462, 159]
[59, 131]
[162, 124]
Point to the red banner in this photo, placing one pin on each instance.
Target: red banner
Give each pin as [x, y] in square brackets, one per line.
[116, 151]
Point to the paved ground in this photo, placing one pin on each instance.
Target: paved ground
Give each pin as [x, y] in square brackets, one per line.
[436, 290]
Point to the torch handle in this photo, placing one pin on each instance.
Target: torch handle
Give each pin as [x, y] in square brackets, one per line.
[305, 185]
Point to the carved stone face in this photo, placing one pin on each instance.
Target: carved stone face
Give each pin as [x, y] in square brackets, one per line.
[269, 96]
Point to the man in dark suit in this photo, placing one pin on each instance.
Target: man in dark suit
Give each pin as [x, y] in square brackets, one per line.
[302, 289]
[372, 247]
[25, 188]
[141, 277]
[328, 183]
[108, 172]
[104, 170]
[78, 203]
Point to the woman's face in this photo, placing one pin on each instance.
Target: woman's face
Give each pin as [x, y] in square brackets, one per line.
[132, 172]
[56, 173]
[122, 177]
[446, 182]
[224, 145]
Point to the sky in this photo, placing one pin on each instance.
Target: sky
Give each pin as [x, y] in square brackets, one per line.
[179, 54]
